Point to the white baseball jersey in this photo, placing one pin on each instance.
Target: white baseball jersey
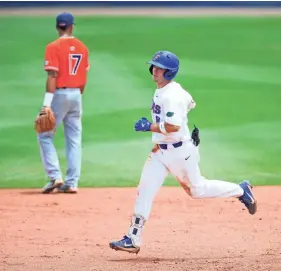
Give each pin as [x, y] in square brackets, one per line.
[171, 104]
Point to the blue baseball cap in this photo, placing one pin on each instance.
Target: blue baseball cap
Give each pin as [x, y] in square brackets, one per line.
[65, 19]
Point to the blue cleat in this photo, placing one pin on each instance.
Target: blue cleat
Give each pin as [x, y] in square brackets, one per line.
[248, 198]
[125, 244]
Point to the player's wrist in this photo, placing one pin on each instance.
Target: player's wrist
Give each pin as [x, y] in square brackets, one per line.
[162, 128]
[154, 128]
[48, 99]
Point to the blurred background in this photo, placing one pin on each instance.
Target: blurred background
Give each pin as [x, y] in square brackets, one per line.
[230, 62]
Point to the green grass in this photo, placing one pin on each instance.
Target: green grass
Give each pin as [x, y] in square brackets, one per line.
[231, 66]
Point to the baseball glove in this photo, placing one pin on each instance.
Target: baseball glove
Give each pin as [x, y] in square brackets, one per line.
[45, 121]
[195, 136]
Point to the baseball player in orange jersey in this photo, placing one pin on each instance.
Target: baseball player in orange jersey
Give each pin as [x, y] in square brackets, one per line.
[66, 63]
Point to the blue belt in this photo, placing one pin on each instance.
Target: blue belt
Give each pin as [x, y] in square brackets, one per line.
[165, 146]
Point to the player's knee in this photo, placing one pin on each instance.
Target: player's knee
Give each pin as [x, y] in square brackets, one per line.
[42, 136]
[197, 192]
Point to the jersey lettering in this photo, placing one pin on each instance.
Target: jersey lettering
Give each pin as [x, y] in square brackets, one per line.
[156, 109]
[74, 62]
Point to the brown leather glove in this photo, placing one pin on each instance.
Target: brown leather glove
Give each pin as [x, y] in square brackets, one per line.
[45, 121]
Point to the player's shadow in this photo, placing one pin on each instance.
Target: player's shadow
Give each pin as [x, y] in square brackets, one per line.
[33, 192]
[175, 260]
[148, 259]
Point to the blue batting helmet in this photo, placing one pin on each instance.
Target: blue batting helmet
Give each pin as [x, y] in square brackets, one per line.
[165, 60]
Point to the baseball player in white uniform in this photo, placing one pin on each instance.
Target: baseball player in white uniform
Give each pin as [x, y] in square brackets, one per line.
[175, 152]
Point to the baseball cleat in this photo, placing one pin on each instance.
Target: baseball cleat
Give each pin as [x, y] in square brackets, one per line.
[248, 197]
[67, 189]
[125, 244]
[51, 185]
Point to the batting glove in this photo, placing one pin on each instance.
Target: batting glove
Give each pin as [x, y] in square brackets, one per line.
[143, 125]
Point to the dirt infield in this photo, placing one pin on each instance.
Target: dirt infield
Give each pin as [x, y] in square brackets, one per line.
[72, 232]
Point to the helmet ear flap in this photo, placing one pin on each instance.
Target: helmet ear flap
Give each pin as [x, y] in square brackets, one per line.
[150, 69]
[169, 74]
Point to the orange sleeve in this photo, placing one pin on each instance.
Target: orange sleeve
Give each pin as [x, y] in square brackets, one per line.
[87, 63]
[51, 58]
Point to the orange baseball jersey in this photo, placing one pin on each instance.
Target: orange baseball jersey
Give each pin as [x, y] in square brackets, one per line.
[70, 58]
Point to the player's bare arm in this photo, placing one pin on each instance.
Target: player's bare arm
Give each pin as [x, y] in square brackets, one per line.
[45, 121]
[169, 128]
[50, 87]
[51, 81]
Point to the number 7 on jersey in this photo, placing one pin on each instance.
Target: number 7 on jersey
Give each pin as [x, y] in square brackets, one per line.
[74, 62]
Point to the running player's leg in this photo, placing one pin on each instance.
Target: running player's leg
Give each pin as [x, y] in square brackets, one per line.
[153, 175]
[184, 166]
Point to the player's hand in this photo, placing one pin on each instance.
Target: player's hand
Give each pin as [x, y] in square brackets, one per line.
[143, 125]
[45, 120]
